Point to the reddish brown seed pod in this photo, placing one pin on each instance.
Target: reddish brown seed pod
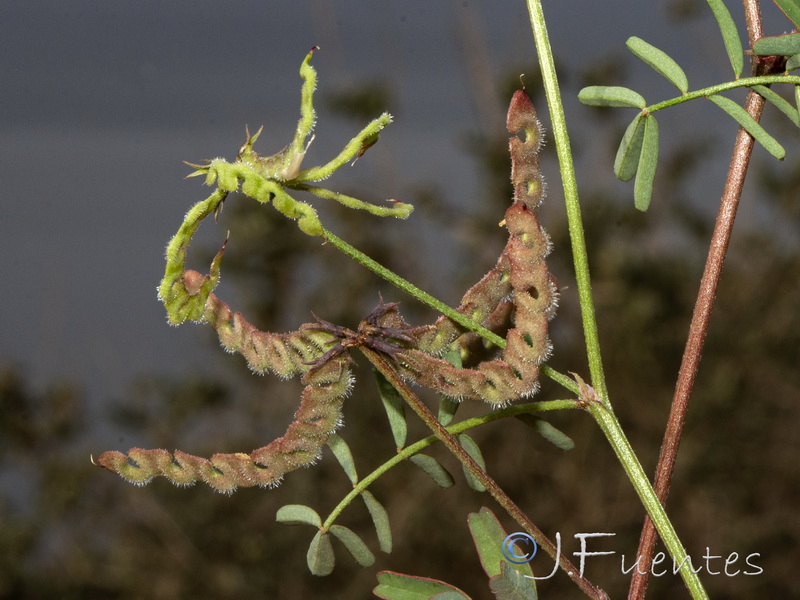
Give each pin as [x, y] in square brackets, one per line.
[521, 275]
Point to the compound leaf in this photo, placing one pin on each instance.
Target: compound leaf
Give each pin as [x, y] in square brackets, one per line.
[660, 62]
[380, 518]
[730, 36]
[611, 95]
[750, 125]
[354, 544]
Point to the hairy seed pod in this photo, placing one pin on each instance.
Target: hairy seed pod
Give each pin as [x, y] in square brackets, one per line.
[187, 296]
[520, 274]
[518, 297]
[286, 355]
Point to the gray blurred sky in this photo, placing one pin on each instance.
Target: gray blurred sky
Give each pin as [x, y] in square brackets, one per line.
[101, 101]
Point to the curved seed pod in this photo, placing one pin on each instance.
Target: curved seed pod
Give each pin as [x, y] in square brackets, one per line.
[318, 416]
[284, 354]
[521, 274]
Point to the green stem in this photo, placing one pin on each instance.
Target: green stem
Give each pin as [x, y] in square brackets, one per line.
[455, 429]
[616, 437]
[599, 406]
[411, 289]
[723, 87]
[435, 303]
[575, 223]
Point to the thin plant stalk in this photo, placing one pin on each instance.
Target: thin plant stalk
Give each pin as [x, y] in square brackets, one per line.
[597, 398]
[698, 328]
[573, 207]
[435, 303]
[456, 429]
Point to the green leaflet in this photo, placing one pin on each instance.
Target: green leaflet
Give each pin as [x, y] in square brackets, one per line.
[320, 558]
[298, 514]
[797, 97]
[638, 155]
[394, 407]
[380, 518]
[354, 544]
[474, 451]
[791, 8]
[660, 62]
[447, 409]
[488, 536]
[396, 586]
[611, 96]
[513, 585]
[750, 125]
[343, 454]
[779, 103]
[730, 36]
[548, 431]
[434, 469]
[648, 162]
[630, 149]
[507, 581]
[780, 45]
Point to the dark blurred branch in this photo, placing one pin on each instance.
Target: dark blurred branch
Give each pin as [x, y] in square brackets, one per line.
[698, 328]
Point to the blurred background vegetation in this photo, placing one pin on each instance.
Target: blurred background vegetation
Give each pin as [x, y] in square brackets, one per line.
[73, 531]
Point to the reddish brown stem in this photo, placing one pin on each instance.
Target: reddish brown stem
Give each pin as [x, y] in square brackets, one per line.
[698, 329]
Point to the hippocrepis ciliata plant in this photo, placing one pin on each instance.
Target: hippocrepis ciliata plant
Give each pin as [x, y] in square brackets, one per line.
[506, 312]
